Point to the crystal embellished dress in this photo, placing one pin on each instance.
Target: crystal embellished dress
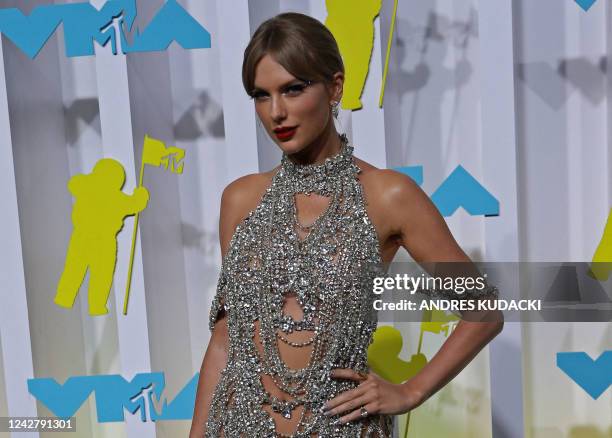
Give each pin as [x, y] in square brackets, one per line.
[326, 269]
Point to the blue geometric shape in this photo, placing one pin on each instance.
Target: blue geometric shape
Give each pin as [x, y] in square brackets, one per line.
[181, 408]
[84, 24]
[114, 394]
[414, 172]
[585, 4]
[461, 189]
[594, 376]
[30, 33]
[172, 23]
[62, 400]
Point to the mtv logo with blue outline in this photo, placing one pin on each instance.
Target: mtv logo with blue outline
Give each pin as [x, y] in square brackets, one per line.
[84, 24]
[114, 395]
[594, 376]
[459, 189]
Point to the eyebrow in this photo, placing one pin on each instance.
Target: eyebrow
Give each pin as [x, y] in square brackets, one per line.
[286, 84]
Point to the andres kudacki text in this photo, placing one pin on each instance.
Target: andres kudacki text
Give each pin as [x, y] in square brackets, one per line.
[460, 294]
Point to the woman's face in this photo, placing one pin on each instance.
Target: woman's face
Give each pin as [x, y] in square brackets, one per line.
[293, 113]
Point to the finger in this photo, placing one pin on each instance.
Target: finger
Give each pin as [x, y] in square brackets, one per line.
[344, 397]
[351, 405]
[371, 407]
[345, 373]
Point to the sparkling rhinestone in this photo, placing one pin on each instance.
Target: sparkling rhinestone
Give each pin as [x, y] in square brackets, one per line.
[267, 251]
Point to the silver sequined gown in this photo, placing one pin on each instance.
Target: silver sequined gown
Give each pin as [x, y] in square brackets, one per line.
[328, 270]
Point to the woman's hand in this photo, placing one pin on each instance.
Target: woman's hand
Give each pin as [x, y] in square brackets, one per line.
[374, 394]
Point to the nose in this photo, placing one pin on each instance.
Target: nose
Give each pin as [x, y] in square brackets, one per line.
[278, 111]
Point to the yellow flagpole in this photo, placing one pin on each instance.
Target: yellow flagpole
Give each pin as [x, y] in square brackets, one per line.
[418, 351]
[384, 81]
[129, 276]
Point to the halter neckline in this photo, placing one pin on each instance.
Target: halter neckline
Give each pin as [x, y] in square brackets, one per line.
[320, 178]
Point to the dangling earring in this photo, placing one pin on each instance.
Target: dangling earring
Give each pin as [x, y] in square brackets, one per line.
[335, 106]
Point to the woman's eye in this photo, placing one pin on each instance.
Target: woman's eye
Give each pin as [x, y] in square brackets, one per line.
[259, 96]
[295, 90]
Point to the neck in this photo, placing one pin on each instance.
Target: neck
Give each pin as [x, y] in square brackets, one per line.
[325, 177]
[326, 145]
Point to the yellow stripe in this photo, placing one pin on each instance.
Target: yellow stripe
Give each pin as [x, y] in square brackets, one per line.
[384, 81]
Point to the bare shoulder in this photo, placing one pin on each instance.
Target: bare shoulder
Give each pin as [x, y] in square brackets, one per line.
[395, 201]
[243, 194]
[387, 186]
[238, 199]
[407, 215]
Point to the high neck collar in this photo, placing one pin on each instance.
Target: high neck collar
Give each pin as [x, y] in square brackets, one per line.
[319, 178]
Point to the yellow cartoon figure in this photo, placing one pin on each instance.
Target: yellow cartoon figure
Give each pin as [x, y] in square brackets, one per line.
[602, 259]
[383, 356]
[97, 217]
[352, 24]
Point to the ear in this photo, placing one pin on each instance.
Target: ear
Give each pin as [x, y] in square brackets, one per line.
[336, 87]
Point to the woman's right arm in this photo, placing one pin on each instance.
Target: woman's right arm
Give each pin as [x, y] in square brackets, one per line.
[235, 201]
[214, 361]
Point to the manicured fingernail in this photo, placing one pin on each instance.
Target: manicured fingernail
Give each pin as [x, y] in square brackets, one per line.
[328, 413]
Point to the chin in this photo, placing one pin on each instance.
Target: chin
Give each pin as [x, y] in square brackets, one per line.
[289, 147]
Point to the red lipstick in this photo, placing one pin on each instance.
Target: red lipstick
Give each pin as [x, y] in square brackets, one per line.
[285, 132]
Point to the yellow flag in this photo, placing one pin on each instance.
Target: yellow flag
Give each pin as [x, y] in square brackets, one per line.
[155, 153]
[438, 321]
[601, 265]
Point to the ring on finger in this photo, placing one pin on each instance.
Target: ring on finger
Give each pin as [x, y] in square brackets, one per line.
[363, 412]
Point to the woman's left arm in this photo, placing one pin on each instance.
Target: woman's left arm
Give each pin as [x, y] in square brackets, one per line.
[422, 231]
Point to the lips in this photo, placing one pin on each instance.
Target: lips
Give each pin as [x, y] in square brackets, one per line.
[285, 133]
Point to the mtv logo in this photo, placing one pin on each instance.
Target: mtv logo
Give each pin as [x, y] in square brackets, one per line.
[114, 395]
[84, 24]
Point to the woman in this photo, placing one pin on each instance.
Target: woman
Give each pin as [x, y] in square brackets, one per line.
[291, 319]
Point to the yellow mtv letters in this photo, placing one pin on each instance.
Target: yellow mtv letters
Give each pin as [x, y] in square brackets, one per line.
[352, 24]
[438, 321]
[155, 153]
[97, 217]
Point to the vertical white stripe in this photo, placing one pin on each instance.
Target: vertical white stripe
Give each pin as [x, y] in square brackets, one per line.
[392, 94]
[196, 88]
[116, 124]
[268, 152]
[608, 96]
[368, 124]
[573, 128]
[238, 114]
[14, 322]
[500, 177]
[84, 149]
[317, 9]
